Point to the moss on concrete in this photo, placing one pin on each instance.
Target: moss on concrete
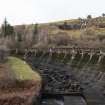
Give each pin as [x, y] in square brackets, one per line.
[22, 70]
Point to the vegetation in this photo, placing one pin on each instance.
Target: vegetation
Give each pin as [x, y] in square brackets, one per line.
[72, 32]
[22, 70]
[4, 51]
[35, 32]
[7, 29]
[18, 83]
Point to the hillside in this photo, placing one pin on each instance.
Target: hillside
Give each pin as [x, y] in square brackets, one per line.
[73, 32]
[53, 27]
[98, 23]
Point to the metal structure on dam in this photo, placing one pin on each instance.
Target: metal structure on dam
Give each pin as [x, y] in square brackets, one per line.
[76, 74]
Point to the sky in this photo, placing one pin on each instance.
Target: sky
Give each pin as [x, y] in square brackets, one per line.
[42, 11]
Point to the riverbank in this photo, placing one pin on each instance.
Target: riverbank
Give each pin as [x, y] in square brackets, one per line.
[19, 83]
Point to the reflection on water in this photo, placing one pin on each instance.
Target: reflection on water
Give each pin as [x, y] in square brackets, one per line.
[51, 100]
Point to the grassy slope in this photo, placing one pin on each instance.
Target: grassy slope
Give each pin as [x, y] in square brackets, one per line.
[22, 70]
[74, 33]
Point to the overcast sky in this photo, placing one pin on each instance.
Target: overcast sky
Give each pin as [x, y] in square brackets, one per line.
[32, 11]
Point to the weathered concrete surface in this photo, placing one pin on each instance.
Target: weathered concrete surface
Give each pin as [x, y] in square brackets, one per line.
[94, 96]
[74, 100]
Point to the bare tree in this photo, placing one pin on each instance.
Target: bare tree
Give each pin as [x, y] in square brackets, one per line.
[4, 51]
[43, 37]
[60, 38]
[103, 14]
[89, 34]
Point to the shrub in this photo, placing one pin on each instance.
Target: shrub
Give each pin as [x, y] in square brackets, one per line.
[60, 38]
[89, 34]
[101, 36]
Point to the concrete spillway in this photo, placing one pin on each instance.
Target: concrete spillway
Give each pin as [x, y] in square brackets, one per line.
[63, 70]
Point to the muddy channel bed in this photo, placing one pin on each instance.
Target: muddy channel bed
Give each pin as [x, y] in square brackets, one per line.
[19, 92]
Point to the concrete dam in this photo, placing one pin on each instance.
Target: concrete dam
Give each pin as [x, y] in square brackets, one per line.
[71, 76]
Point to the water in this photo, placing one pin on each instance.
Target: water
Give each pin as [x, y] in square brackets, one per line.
[87, 69]
[74, 100]
[63, 100]
[52, 100]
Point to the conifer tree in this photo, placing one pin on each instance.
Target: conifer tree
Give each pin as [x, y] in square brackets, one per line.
[35, 33]
[7, 29]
